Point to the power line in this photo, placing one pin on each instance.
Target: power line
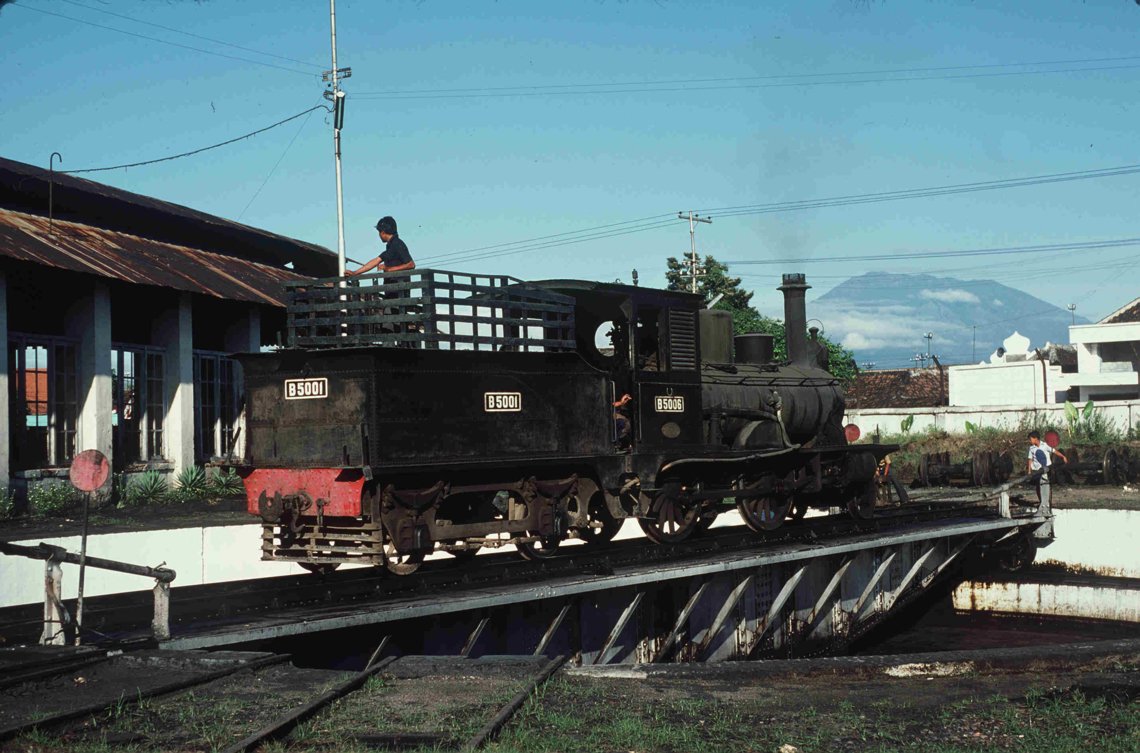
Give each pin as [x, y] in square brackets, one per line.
[162, 41]
[191, 34]
[196, 151]
[912, 193]
[561, 90]
[657, 221]
[1074, 246]
[771, 77]
[276, 164]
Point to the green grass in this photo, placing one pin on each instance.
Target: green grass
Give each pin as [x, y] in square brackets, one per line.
[577, 715]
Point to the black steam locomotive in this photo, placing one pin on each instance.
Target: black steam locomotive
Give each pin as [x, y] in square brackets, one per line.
[437, 411]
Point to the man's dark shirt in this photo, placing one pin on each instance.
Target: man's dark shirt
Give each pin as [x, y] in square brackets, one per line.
[395, 253]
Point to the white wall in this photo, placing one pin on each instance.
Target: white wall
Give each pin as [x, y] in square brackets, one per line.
[198, 555]
[953, 418]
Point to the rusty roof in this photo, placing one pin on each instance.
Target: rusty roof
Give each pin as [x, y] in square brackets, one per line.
[1127, 313]
[25, 188]
[121, 256]
[899, 388]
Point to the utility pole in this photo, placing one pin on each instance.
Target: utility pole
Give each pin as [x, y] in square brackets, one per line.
[1072, 307]
[929, 336]
[695, 270]
[336, 96]
[974, 345]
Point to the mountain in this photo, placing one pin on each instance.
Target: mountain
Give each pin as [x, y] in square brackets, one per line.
[882, 318]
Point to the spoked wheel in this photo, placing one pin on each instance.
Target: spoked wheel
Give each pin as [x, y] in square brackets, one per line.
[861, 504]
[671, 517]
[401, 564]
[764, 513]
[538, 550]
[600, 513]
[706, 518]
[320, 568]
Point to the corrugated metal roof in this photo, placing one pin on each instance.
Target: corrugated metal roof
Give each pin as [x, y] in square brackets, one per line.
[24, 188]
[121, 256]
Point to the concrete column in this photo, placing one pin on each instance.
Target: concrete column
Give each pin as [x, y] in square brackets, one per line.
[5, 434]
[174, 331]
[243, 336]
[89, 321]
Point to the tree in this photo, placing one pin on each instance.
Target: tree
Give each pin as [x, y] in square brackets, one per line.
[745, 318]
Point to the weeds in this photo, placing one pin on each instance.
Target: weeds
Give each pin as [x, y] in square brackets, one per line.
[1091, 426]
[7, 504]
[52, 499]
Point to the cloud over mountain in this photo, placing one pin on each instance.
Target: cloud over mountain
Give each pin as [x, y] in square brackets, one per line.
[883, 318]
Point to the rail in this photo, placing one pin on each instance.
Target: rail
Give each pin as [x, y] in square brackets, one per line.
[56, 616]
[430, 309]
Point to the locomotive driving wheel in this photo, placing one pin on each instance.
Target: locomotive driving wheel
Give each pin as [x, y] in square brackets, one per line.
[861, 503]
[671, 517]
[765, 512]
[401, 563]
[600, 515]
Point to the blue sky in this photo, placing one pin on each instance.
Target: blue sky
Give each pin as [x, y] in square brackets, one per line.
[770, 102]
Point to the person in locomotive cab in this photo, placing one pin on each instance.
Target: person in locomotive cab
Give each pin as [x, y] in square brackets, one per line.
[1037, 464]
[622, 422]
[395, 257]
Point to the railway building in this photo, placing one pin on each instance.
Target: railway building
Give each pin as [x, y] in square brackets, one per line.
[119, 312]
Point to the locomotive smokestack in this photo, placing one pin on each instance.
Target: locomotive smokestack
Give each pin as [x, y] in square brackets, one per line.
[795, 317]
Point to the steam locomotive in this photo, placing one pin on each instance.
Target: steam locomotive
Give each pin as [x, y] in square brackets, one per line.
[439, 411]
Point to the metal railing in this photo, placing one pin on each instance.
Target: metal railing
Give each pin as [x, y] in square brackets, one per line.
[56, 616]
[431, 309]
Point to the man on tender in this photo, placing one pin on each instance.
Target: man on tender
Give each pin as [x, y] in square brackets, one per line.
[395, 258]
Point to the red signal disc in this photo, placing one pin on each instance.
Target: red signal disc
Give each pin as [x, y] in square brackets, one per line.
[89, 471]
[1052, 438]
[851, 431]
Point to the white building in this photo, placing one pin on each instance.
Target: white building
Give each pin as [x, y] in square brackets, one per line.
[1108, 355]
[1101, 364]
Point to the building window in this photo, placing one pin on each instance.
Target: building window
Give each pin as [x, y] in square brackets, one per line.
[43, 400]
[139, 404]
[217, 402]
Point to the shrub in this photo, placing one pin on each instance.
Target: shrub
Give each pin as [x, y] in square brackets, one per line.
[1090, 426]
[146, 489]
[191, 484]
[52, 499]
[226, 484]
[7, 504]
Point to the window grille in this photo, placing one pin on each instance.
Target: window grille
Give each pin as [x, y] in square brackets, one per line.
[43, 400]
[217, 403]
[139, 403]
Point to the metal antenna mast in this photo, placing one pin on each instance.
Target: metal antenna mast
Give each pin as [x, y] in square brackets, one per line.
[695, 270]
[336, 96]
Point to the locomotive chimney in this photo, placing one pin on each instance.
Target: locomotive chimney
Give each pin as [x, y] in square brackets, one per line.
[795, 318]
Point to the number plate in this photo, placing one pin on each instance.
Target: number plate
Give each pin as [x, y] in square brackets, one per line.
[669, 403]
[306, 389]
[502, 402]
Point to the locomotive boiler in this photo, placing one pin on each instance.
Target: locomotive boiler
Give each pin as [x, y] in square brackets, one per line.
[450, 412]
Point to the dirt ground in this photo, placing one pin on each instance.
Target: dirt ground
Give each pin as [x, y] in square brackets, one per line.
[1069, 698]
